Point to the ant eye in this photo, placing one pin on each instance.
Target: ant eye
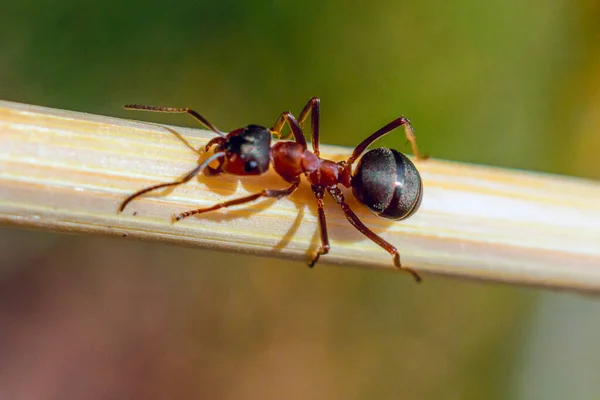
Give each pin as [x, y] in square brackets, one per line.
[250, 166]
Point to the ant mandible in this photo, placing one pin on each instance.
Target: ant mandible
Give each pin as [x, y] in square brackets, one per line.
[384, 180]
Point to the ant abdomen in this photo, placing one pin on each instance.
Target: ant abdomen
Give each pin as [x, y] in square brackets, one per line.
[388, 183]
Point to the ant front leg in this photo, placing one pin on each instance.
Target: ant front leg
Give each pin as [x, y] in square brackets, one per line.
[287, 116]
[410, 136]
[278, 194]
[324, 249]
[181, 181]
[336, 193]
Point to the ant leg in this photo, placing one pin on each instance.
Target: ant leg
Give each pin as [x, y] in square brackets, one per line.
[336, 193]
[314, 107]
[185, 179]
[217, 141]
[189, 111]
[324, 249]
[296, 130]
[410, 136]
[210, 171]
[278, 194]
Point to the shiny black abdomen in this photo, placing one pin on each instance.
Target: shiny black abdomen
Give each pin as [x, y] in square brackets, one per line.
[388, 183]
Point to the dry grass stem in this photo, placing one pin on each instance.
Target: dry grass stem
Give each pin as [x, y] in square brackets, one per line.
[67, 171]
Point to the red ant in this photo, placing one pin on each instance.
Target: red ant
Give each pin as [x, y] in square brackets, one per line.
[384, 180]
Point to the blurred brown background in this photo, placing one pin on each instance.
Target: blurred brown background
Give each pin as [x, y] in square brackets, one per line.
[507, 83]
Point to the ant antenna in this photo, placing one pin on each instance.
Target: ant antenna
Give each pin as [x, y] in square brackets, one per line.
[189, 111]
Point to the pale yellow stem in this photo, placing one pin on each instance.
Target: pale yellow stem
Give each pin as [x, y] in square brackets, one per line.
[67, 171]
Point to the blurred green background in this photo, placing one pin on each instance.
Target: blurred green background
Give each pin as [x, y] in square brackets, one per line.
[508, 83]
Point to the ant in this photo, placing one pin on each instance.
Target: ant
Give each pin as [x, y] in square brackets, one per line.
[384, 180]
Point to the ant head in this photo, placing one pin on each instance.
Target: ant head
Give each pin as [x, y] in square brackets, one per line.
[247, 150]
[388, 183]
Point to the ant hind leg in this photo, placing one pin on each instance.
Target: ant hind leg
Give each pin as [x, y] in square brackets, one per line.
[336, 193]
